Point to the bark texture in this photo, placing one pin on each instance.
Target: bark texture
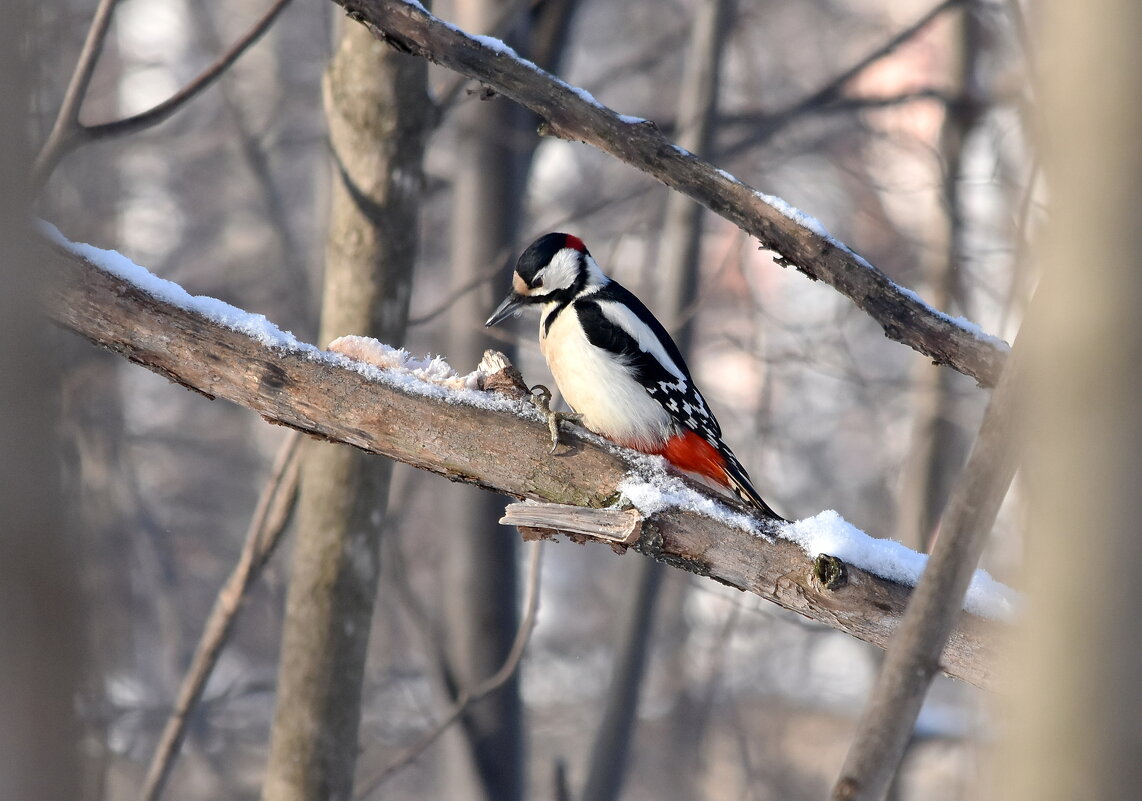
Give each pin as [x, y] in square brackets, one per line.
[377, 108]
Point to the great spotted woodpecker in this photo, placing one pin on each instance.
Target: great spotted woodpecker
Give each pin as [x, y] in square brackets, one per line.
[616, 365]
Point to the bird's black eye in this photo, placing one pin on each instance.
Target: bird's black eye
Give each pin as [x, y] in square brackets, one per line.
[537, 282]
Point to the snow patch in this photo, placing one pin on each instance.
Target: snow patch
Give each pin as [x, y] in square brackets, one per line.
[431, 369]
[651, 489]
[960, 322]
[829, 533]
[583, 94]
[429, 377]
[498, 45]
[813, 224]
[733, 179]
[255, 326]
[804, 220]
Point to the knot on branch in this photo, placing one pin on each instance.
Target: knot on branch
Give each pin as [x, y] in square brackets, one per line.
[501, 376]
[829, 572]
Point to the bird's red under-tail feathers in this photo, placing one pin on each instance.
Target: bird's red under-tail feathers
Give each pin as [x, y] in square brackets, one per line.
[691, 452]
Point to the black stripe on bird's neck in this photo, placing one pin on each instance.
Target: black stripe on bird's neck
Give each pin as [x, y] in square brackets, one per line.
[562, 298]
[549, 318]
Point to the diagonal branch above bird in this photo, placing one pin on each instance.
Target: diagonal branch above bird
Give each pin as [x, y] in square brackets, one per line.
[572, 113]
[617, 367]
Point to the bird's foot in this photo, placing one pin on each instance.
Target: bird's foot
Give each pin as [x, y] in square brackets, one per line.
[541, 397]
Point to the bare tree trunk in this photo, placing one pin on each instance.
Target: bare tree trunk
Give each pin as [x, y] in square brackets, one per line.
[480, 603]
[611, 749]
[495, 151]
[1078, 708]
[377, 108]
[681, 240]
[939, 446]
[40, 649]
[678, 268]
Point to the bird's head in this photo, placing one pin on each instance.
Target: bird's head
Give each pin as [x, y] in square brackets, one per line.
[554, 268]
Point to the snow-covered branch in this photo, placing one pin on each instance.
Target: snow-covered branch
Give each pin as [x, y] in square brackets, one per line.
[572, 113]
[501, 444]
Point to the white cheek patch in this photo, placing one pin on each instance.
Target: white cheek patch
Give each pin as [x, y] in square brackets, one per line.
[562, 270]
[560, 273]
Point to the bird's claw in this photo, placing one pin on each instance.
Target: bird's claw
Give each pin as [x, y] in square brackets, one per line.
[541, 398]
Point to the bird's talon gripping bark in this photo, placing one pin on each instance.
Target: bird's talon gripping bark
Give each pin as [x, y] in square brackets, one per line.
[541, 397]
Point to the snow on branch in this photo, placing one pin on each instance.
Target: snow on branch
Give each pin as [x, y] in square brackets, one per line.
[421, 413]
[572, 113]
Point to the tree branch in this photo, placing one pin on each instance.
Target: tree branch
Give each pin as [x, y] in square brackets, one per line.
[69, 133]
[496, 450]
[889, 718]
[572, 114]
[264, 532]
[67, 126]
[482, 690]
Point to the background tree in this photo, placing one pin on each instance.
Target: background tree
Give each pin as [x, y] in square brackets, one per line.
[378, 113]
[480, 615]
[1075, 709]
[677, 273]
[41, 657]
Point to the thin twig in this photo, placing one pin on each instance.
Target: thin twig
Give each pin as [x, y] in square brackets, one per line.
[495, 267]
[262, 536]
[484, 688]
[73, 133]
[156, 114]
[833, 88]
[831, 91]
[67, 123]
[254, 150]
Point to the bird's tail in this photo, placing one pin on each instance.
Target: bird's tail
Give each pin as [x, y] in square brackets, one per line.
[739, 482]
[693, 453]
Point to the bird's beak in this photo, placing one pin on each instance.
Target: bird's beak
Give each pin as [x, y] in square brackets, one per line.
[510, 306]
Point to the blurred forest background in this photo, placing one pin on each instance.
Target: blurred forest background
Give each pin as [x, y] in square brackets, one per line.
[902, 126]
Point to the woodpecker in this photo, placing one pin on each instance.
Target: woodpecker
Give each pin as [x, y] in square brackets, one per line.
[616, 366]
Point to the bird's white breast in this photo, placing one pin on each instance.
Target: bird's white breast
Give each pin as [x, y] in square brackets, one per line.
[596, 385]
